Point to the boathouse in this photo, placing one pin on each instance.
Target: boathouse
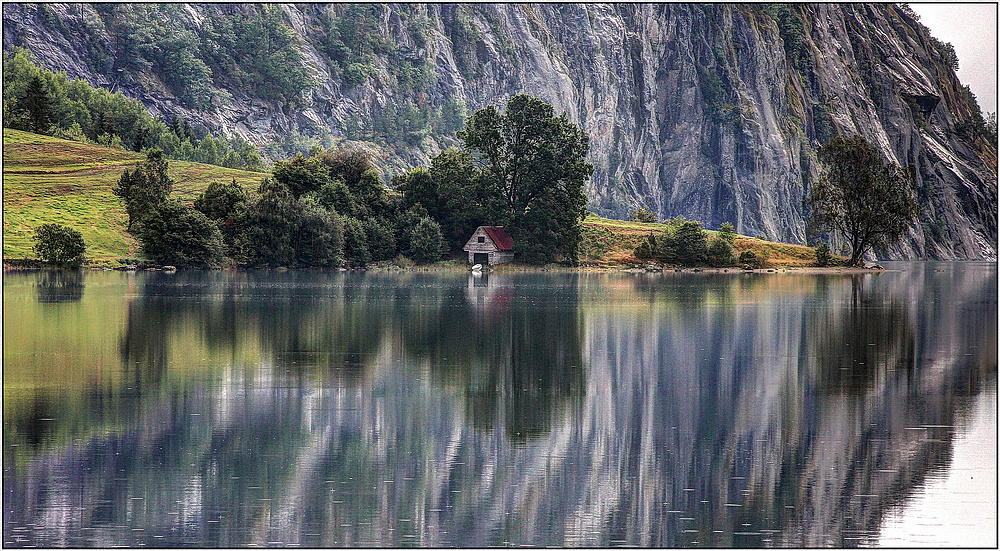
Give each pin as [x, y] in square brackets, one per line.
[490, 245]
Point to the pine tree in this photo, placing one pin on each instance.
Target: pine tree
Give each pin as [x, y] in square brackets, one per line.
[38, 104]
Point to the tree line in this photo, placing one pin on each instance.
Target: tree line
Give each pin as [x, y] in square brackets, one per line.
[47, 102]
[686, 243]
[328, 210]
[523, 169]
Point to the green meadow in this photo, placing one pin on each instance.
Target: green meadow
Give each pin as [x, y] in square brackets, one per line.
[51, 180]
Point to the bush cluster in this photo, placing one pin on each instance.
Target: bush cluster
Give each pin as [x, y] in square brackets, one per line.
[685, 243]
[328, 210]
[823, 256]
[643, 215]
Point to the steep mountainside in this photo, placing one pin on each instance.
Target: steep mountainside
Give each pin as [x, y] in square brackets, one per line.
[712, 111]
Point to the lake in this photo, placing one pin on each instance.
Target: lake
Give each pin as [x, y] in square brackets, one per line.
[232, 409]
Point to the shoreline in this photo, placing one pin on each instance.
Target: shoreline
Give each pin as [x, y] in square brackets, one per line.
[25, 265]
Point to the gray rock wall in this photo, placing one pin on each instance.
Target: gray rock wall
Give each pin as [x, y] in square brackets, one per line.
[692, 109]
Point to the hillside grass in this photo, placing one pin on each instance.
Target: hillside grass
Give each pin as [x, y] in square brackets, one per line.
[51, 180]
[608, 243]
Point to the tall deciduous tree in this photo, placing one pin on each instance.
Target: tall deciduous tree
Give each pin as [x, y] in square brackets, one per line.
[222, 202]
[534, 163]
[269, 225]
[226, 205]
[144, 188]
[871, 203]
[426, 242]
[318, 235]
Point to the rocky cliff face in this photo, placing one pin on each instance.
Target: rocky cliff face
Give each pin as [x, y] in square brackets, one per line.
[713, 112]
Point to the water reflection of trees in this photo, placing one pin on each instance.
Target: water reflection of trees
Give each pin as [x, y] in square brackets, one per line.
[514, 359]
[797, 401]
[57, 286]
[870, 336]
[714, 409]
[301, 320]
[278, 431]
[511, 346]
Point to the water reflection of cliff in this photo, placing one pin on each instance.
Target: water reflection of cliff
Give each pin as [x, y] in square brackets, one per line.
[797, 411]
[654, 410]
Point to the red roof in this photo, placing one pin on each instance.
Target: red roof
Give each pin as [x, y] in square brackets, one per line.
[499, 237]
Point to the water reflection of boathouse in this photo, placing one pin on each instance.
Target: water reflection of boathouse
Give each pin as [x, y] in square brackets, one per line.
[486, 292]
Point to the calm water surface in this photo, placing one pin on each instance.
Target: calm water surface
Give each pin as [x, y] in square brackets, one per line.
[417, 409]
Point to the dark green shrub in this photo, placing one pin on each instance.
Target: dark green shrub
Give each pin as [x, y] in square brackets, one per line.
[642, 215]
[823, 256]
[178, 235]
[427, 244]
[749, 258]
[60, 245]
[381, 239]
[646, 248]
[720, 253]
[356, 252]
[727, 232]
[666, 246]
[691, 242]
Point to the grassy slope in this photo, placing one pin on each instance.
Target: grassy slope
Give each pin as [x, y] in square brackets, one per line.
[47, 179]
[611, 242]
